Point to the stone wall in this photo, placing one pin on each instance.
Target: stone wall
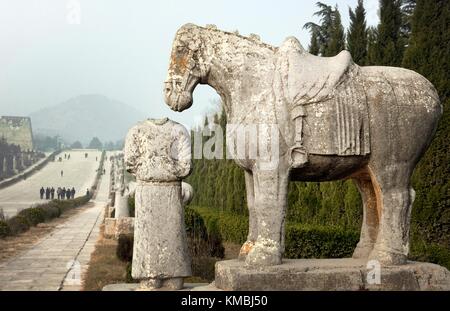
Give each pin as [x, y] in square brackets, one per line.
[17, 131]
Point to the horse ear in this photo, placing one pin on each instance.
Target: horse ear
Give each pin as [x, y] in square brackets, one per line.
[254, 37]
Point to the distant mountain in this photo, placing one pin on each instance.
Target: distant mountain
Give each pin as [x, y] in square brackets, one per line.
[84, 117]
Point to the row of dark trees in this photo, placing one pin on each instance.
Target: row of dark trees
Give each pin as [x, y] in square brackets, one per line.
[412, 34]
[381, 45]
[13, 159]
[48, 143]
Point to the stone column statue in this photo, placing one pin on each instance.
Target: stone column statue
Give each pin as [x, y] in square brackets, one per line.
[121, 197]
[158, 153]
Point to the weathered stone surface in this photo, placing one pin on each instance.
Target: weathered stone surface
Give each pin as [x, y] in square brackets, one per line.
[329, 275]
[333, 119]
[158, 153]
[187, 193]
[110, 227]
[17, 131]
[124, 225]
[121, 205]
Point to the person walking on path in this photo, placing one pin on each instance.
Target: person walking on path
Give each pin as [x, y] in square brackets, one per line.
[47, 193]
[58, 192]
[63, 193]
[62, 173]
[72, 192]
[42, 191]
[68, 193]
[52, 193]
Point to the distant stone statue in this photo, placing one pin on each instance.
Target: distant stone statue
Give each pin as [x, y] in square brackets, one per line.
[158, 153]
[121, 196]
[334, 120]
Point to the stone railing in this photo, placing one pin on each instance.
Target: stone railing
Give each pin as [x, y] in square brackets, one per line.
[98, 176]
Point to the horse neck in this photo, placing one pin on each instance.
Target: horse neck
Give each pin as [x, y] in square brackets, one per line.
[234, 60]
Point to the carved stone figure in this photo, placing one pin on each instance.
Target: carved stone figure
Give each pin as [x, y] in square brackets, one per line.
[121, 195]
[335, 120]
[158, 153]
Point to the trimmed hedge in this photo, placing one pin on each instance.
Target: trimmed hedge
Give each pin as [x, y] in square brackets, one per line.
[302, 241]
[307, 241]
[41, 213]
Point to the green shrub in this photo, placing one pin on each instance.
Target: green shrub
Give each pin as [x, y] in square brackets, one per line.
[124, 249]
[435, 253]
[204, 267]
[34, 215]
[302, 241]
[307, 241]
[38, 214]
[18, 224]
[203, 241]
[4, 229]
[51, 212]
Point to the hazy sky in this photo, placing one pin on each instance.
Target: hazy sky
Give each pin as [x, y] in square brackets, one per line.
[121, 48]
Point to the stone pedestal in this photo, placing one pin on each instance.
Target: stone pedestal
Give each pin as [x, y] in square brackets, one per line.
[124, 225]
[110, 228]
[330, 275]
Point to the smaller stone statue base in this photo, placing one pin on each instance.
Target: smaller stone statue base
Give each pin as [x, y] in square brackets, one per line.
[329, 275]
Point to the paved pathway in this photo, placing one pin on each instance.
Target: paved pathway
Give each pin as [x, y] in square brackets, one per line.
[79, 172]
[58, 261]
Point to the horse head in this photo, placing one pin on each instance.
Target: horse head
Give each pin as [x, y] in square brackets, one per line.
[187, 68]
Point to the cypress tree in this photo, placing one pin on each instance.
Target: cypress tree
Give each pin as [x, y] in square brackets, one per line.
[428, 53]
[337, 35]
[390, 45]
[323, 30]
[328, 38]
[314, 46]
[357, 34]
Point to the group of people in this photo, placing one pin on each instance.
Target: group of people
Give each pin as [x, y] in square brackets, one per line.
[62, 193]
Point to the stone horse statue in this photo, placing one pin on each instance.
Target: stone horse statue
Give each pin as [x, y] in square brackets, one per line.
[336, 120]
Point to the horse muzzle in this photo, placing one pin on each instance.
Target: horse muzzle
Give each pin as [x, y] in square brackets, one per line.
[177, 100]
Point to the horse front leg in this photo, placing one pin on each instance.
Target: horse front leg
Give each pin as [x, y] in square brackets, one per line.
[253, 225]
[270, 205]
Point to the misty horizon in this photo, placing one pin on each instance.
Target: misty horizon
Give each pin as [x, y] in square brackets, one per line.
[121, 51]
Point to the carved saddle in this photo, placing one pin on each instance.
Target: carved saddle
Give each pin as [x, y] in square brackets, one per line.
[329, 93]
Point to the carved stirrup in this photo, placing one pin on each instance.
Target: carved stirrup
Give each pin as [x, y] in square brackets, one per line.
[298, 156]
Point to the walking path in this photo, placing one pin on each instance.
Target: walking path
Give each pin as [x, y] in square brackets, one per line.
[78, 172]
[58, 261]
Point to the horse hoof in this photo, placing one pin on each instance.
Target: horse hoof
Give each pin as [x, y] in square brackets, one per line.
[388, 258]
[362, 251]
[267, 253]
[245, 249]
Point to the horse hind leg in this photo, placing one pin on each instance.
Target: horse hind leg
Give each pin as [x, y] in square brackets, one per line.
[370, 222]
